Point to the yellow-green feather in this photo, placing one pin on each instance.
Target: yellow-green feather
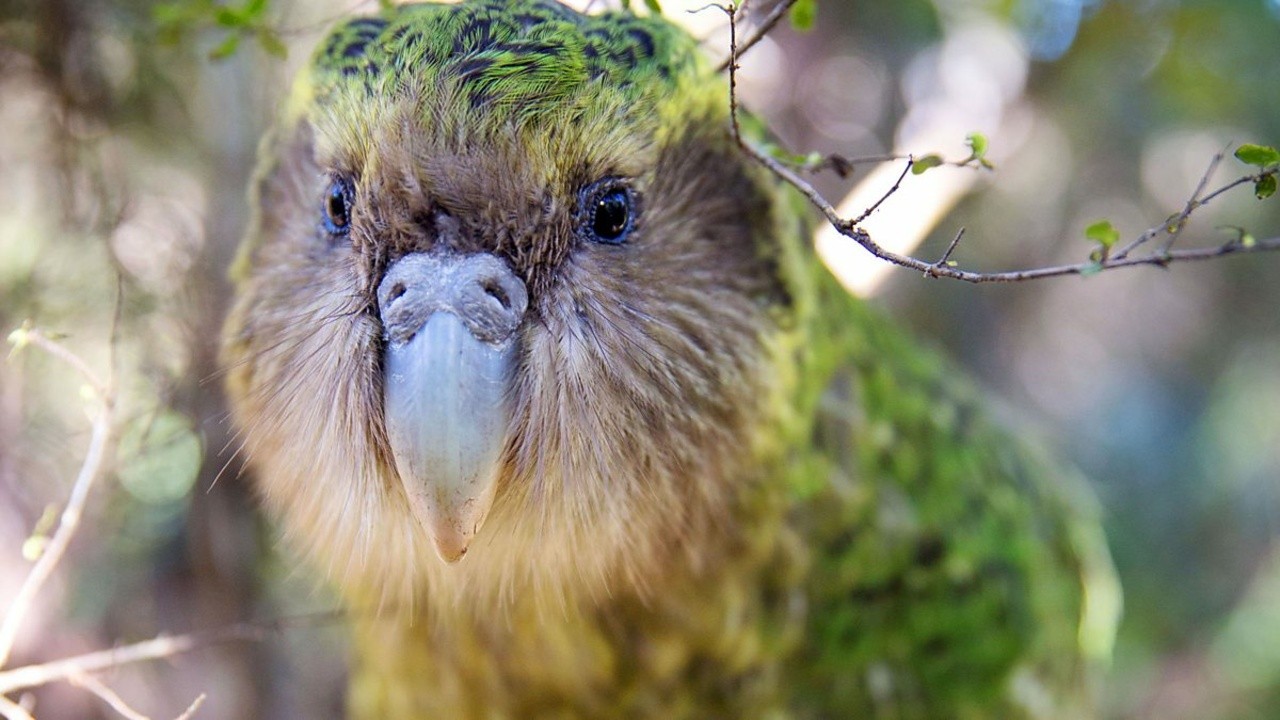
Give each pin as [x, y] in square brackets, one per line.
[519, 60]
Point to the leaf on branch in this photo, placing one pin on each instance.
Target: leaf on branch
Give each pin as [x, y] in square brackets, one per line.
[1265, 187]
[1103, 233]
[1262, 156]
[978, 144]
[804, 14]
[925, 163]
[1243, 237]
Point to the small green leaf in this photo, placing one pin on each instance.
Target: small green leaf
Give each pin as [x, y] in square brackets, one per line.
[1243, 237]
[1262, 156]
[653, 6]
[1103, 233]
[226, 48]
[229, 17]
[626, 5]
[804, 14]
[1265, 187]
[1091, 269]
[271, 43]
[254, 9]
[925, 163]
[977, 143]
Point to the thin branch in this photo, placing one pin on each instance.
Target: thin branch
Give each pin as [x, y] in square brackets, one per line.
[946, 256]
[162, 646]
[775, 15]
[944, 268]
[192, 708]
[106, 694]
[850, 230]
[12, 710]
[90, 471]
[897, 184]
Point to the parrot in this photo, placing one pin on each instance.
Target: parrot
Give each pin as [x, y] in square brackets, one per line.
[542, 374]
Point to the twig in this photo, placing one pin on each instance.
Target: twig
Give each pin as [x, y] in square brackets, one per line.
[897, 184]
[192, 708]
[946, 256]
[159, 647]
[860, 236]
[12, 710]
[90, 471]
[944, 268]
[106, 694]
[766, 26]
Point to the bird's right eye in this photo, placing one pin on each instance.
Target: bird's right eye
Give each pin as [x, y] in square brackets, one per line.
[337, 207]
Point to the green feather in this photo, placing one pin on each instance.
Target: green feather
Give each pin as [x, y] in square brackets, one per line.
[506, 60]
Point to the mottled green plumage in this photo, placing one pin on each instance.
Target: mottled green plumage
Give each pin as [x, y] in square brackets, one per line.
[733, 490]
[523, 59]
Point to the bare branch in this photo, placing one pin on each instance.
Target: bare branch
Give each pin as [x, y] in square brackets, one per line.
[771, 20]
[12, 710]
[945, 267]
[192, 708]
[159, 647]
[90, 471]
[106, 694]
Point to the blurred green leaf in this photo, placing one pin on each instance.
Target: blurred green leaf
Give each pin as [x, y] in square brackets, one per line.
[1265, 187]
[1262, 156]
[925, 163]
[229, 17]
[978, 144]
[804, 14]
[1243, 236]
[1103, 233]
[226, 48]
[653, 6]
[254, 9]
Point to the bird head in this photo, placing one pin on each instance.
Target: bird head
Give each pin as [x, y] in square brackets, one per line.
[508, 293]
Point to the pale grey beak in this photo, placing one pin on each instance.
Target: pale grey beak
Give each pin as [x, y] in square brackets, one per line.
[451, 326]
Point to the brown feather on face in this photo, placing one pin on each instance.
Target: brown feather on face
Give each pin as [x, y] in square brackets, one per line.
[640, 379]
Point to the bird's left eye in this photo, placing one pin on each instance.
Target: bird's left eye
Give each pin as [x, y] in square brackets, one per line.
[337, 207]
[608, 212]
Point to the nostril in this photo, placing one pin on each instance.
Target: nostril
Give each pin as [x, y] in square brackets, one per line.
[397, 291]
[494, 289]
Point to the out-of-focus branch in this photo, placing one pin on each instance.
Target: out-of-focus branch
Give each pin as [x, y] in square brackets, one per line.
[12, 710]
[771, 20]
[117, 703]
[946, 267]
[159, 647]
[90, 471]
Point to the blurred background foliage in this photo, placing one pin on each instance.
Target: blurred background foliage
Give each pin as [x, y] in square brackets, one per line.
[129, 130]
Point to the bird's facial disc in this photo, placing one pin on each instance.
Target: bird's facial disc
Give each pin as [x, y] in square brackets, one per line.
[451, 328]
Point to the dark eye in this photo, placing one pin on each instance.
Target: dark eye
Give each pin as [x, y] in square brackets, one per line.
[337, 207]
[609, 212]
